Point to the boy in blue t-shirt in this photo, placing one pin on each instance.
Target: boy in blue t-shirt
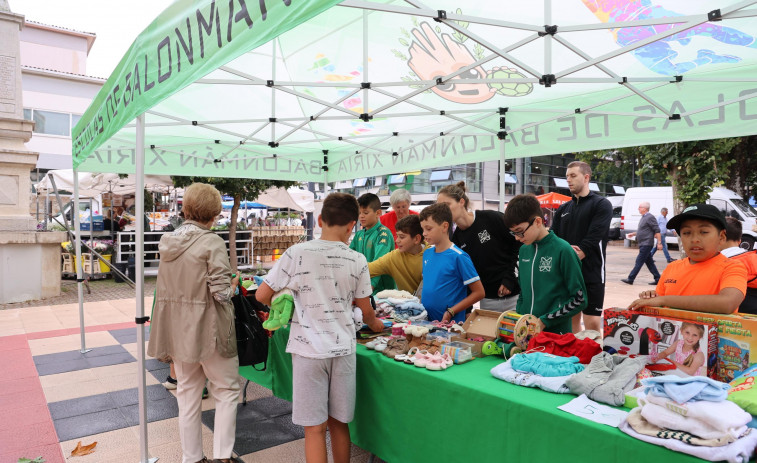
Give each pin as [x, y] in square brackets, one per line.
[447, 270]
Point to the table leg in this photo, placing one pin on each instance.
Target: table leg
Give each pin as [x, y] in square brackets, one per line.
[244, 391]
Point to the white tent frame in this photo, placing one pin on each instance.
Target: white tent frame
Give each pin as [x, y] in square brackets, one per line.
[374, 142]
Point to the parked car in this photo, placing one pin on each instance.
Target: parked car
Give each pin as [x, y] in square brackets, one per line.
[617, 207]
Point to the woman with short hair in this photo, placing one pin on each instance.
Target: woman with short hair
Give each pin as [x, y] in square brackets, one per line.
[400, 201]
[193, 323]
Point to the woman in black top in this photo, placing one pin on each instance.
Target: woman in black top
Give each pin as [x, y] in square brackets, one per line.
[491, 247]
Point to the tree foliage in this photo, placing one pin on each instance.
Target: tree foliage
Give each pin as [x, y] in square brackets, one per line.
[693, 168]
[238, 188]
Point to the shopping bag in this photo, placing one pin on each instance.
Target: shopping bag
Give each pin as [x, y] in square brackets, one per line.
[252, 340]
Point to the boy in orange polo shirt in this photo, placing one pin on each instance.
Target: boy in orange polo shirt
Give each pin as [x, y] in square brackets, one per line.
[706, 281]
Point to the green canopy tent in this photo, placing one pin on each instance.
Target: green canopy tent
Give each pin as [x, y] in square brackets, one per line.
[324, 90]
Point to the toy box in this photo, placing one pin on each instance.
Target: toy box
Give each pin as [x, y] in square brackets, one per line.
[629, 332]
[480, 324]
[737, 337]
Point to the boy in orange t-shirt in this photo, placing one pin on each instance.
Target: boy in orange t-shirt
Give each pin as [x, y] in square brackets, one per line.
[706, 281]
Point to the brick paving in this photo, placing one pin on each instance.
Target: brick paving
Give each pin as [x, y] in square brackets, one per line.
[101, 290]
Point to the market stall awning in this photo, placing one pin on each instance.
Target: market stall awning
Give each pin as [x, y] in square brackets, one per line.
[244, 205]
[112, 183]
[292, 198]
[328, 90]
[552, 200]
[64, 180]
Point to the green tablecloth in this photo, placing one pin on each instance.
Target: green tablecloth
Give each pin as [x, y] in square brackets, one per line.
[409, 414]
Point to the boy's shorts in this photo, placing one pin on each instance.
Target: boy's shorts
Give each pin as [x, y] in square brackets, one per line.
[595, 295]
[323, 388]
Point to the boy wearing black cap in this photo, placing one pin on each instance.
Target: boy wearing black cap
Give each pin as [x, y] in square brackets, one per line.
[706, 281]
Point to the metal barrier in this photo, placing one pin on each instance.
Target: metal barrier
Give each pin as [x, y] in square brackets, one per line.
[125, 244]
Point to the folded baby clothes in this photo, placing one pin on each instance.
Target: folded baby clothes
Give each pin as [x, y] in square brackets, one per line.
[640, 424]
[410, 311]
[736, 452]
[546, 364]
[565, 345]
[717, 417]
[410, 305]
[664, 418]
[687, 388]
[607, 378]
[505, 372]
[395, 294]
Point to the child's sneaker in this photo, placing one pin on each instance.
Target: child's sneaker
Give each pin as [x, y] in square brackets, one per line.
[374, 342]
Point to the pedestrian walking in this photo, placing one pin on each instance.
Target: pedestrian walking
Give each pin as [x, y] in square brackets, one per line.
[648, 232]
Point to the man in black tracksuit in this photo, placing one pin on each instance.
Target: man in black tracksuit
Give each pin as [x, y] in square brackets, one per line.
[584, 222]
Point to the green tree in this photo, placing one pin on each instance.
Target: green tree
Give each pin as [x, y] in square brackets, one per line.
[694, 168]
[742, 176]
[620, 166]
[238, 188]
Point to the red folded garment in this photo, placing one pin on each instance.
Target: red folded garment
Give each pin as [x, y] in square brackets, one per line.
[565, 345]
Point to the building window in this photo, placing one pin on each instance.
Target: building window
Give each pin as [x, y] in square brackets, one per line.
[75, 120]
[52, 123]
[440, 175]
[397, 179]
[27, 114]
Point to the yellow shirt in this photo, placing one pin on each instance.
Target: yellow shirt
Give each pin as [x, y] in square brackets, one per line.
[405, 268]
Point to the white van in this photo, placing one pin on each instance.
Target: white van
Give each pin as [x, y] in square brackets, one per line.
[662, 196]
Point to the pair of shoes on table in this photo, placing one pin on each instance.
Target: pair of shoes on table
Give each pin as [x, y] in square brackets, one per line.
[375, 342]
[627, 281]
[408, 358]
[431, 347]
[437, 361]
[396, 346]
[170, 383]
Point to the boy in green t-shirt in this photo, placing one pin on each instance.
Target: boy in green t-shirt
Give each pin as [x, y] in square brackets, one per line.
[549, 272]
[374, 239]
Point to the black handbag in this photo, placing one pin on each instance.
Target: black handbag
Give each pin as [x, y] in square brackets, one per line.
[252, 340]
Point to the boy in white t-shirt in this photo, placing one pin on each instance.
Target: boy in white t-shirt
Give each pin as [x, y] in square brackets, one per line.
[326, 278]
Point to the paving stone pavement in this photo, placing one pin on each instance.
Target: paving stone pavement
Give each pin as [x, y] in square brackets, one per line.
[101, 290]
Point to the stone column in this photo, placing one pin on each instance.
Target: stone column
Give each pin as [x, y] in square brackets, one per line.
[29, 260]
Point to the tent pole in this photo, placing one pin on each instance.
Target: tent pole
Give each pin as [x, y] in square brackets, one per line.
[80, 269]
[547, 38]
[481, 183]
[366, 107]
[501, 175]
[139, 212]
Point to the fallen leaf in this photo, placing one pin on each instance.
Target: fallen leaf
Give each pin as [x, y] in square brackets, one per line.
[27, 460]
[82, 450]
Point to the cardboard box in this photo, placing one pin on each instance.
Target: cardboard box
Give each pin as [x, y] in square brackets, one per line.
[737, 337]
[629, 332]
[480, 324]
